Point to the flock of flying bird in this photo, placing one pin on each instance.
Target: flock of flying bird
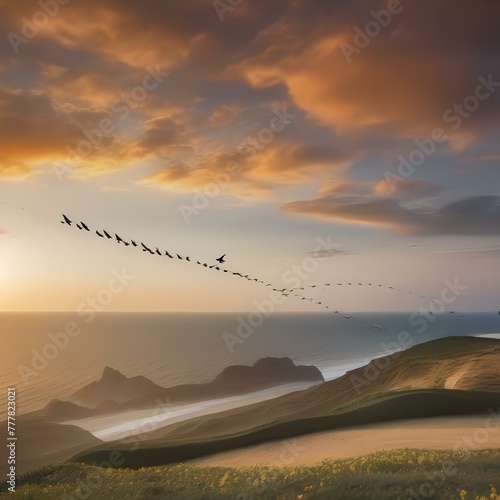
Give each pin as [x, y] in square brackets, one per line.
[220, 260]
[145, 248]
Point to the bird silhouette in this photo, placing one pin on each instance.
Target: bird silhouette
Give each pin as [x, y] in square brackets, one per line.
[118, 239]
[79, 227]
[221, 260]
[146, 249]
[179, 257]
[133, 243]
[168, 255]
[66, 220]
[188, 259]
[85, 226]
[99, 234]
[205, 265]
[107, 234]
[158, 252]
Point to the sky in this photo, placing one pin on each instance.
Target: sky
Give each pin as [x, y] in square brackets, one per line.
[310, 141]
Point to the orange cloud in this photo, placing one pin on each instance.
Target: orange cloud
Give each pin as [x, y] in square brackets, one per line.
[283, 163]
[134, 34]
[36, 130]
[92, 53]
[32, 130]
[224, 115]
[406, 78]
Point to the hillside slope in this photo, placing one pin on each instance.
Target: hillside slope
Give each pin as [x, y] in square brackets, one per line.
[411, 384]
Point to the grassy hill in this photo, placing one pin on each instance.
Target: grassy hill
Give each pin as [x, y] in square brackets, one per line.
[455, 363]
[414, 404]
[451, 376]
[410, 474]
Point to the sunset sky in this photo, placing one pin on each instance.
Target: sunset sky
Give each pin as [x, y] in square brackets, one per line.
[253, 130]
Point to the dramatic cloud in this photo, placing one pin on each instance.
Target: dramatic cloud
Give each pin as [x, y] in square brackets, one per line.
[93, 61]
[32, 129]
[475, 216]
[250, 173]
[406, 77]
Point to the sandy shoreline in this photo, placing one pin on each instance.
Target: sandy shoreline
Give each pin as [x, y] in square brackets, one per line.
[430, 433]
[119, 426]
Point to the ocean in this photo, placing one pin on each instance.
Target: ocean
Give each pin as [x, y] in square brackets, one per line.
[51, 355]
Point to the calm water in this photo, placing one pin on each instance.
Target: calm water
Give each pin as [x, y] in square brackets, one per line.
[173, 349]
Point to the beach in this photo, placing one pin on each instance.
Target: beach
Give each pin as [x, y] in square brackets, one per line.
[440, 433]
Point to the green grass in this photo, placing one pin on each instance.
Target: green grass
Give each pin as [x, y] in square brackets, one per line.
[401, 474]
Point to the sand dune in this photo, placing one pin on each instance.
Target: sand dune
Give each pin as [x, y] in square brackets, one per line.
[431, 433]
